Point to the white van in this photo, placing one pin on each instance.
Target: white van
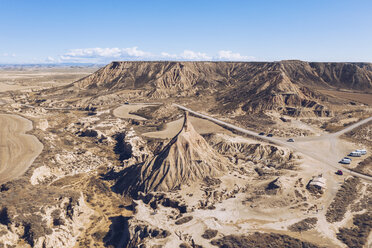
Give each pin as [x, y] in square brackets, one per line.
[345, 161]
[355, 154]
[362, 151]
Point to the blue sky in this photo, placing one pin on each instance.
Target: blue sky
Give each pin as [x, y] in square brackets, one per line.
[260, 30]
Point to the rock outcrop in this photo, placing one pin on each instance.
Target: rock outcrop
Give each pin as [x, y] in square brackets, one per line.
[184, 160]
[241, 149]
[58, 223]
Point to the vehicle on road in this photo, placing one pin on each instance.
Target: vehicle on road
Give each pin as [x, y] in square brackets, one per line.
[355, 154]
[339, 172]
[362, 151]
[270, 135]
[262, 133]
[290, 140]
[345, 161]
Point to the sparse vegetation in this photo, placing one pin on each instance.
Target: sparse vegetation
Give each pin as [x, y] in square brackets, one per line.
[314, 190]
[183, 220]
[364, 167]
[303, 225]
[209, 234]
[344, 197]
[261, 240]
[332, 128]
[356, 236]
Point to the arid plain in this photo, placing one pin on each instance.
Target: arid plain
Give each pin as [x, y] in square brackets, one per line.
[186, 154]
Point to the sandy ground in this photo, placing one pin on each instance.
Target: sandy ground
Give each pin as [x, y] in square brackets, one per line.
[123, 111]
[38, 78]
[201, 126]
[6, 86]
[17, 149]
[358, 97]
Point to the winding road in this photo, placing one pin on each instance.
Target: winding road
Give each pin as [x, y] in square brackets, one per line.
[326, 148]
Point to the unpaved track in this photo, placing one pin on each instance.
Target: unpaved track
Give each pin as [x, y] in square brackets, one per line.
[328, 153]
[351, 127]
[17, 149]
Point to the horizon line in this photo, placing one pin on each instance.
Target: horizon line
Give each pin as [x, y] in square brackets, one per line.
[176, 61]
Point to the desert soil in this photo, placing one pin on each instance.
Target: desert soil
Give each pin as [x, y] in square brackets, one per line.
[353, 96]
[18, 150]
[84, 152]
[19, 78]
[201, 126]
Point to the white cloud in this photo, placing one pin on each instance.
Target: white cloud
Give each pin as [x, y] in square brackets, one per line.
[222, 55]
[191, 55]
[9, 55]
[51, 59]
[168, 55]
[94, 52]
[105, 55]
[134, 52]
[185, 55]
[230, 56]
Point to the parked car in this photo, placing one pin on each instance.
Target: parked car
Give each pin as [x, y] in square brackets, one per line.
[262, 133]
[362, 151]
[355, 154]
[126, 103]
[270, 135]
[339, 172]
[290, 140]
[345, 161]
[348, 158]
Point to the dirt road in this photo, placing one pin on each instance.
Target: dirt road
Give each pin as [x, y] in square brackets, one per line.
[17, 149]
[327, 149]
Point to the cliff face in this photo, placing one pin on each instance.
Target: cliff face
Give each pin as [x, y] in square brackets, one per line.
[164, 79]
[185, 75]
[357, 76]
[249, 86]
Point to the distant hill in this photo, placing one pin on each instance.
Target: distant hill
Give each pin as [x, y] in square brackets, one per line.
[249, 86]
[50, 65]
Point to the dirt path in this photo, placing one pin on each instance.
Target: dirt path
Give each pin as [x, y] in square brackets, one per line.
[351, 127]
[18, 150]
